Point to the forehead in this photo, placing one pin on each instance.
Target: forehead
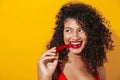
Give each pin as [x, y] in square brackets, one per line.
[73, 23]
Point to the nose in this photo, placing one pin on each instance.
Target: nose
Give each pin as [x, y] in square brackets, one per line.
[75, 36]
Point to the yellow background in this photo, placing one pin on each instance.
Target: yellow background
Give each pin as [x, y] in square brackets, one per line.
[26, 26]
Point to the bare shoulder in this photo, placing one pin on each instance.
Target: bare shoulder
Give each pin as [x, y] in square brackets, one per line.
[102, 72]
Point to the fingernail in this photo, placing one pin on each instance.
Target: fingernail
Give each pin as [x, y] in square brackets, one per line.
[54, 50]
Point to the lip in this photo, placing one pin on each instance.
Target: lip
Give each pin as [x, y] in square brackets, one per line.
[76, 45]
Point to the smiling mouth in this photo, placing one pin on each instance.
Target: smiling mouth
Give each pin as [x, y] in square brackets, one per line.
[76, 45]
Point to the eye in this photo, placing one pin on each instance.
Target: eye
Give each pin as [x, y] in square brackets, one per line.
[68, 30]
[81, 31]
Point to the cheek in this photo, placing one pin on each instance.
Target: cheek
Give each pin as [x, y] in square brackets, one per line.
[85, 38]
[66, 38]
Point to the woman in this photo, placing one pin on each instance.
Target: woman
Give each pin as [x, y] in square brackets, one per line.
[81, 26]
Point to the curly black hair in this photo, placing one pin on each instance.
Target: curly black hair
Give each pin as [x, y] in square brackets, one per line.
[96, 28]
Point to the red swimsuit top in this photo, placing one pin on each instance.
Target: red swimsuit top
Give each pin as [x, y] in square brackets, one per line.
[61, 76]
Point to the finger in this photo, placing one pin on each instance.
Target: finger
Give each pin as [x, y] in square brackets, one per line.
[48, 54]
[48, 59]
[51, 52]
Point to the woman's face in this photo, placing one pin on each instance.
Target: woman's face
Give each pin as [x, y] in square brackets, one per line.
[74, 35]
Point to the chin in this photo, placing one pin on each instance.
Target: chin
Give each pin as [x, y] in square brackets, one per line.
[75, 51]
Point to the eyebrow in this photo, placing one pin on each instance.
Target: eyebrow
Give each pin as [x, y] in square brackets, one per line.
[68, 27]
[72, 28]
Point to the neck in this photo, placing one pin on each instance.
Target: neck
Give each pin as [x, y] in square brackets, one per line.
[74, 59]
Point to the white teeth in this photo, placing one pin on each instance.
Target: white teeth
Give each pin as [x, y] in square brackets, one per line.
[75, 43]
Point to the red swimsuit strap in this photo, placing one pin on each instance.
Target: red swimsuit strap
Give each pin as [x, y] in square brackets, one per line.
[61, 75]
[97, 78]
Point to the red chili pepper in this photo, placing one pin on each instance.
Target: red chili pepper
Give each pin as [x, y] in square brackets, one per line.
[59, 48]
